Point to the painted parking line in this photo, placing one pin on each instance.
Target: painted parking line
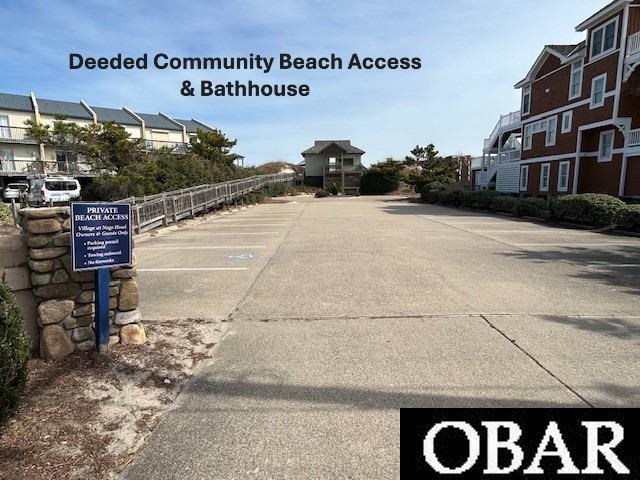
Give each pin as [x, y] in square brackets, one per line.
[200, 269]
[218, 234]
[574, 245]
[223, 224]
[537, 232]
[217, 247]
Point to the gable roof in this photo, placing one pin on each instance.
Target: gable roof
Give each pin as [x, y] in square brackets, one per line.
[562, 52]
[152, 120]
[115, 115]
[344, 145]
[193, 126]
[20, 103]
[65, 109]
[602, 14]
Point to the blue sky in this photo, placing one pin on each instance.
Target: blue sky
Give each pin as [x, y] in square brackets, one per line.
[473, 52]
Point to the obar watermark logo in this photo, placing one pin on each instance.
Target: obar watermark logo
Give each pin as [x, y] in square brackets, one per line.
[519, 443]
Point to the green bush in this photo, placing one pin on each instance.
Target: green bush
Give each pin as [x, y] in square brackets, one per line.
[333, 189]
[15, 349]
[483, 199]
[530, 207]
[278, 190]
[5, 214]
[466, 199]
[631, 218]
[434, 186]
[589, 209]
[431, 196]
[504, 203]
[448, 198]
[379, 182]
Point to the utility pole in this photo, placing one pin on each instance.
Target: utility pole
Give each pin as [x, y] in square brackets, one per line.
[342, 170]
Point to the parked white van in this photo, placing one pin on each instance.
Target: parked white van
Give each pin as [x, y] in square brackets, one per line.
[14, 190]
[43, 191]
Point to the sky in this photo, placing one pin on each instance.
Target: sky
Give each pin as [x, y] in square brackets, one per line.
[472, 51]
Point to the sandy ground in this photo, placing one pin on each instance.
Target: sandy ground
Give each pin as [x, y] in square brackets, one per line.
[87, 416]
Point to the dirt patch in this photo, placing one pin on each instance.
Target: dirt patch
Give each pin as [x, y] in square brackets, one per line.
[87, 416]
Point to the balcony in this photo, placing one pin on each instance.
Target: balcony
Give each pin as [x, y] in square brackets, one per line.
[508, 122]
[337, 169]
[15, 135]
[634, 138]
[633, 55]
[176, 147]
[509, 156]
[27, 168]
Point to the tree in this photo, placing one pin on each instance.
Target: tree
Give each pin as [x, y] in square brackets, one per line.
[215, 148]
[104, 146]
[383, 177]
[434, 167]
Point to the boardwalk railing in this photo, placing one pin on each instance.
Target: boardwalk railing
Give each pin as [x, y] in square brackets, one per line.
[153, 211]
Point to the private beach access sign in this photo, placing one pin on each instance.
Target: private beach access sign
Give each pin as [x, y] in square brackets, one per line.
[101, 235]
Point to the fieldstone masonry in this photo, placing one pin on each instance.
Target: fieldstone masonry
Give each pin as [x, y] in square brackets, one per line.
[65, 298]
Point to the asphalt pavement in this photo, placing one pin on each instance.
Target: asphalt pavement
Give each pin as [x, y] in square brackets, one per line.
[343, 310]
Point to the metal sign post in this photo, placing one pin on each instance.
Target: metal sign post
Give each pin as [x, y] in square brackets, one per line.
[101, 240]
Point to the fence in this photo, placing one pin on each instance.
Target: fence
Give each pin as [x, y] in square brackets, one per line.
[152, 211]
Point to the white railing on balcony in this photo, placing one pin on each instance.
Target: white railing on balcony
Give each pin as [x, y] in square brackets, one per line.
[505, 121]
[24, 167]
[633, 44]
[509, 156]
[14, 134]
[157, 144]
[634, 138]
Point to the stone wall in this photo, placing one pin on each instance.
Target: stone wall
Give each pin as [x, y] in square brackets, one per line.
[14, 270]
[65, 312]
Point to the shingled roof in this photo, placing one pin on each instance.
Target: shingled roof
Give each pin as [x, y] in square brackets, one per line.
[344, 145]
[564, 50]
[193, 126]
[116, 115]
[20, 103]
[152, 120]
[64, 109]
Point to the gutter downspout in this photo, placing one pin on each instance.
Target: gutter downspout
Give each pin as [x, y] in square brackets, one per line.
[36, 111]
[616, 108]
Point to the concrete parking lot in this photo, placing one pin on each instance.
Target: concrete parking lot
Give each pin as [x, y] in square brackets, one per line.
[344, 310]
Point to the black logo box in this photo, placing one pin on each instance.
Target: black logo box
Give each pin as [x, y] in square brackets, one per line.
[452, 446]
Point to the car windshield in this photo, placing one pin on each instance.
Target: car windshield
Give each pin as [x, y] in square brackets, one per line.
[60, 185]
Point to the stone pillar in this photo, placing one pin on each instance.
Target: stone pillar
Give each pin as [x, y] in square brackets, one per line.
[65, 298]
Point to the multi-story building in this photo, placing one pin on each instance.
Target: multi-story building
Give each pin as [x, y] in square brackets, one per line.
[333, 162]
[22, 157]
[578, 128]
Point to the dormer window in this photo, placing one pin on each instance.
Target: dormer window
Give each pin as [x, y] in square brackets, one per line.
[603, 39]
[526, 100]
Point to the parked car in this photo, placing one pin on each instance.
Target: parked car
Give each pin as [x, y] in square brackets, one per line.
[43, 191]
[14, 190]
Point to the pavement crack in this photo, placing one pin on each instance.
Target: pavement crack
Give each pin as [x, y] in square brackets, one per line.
[537, 362]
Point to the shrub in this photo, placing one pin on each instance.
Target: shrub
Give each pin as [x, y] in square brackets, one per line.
[278, 189]
[530, 207]
[483, 199]
[333, 189]
[322, 194]
[448, 198]
[590, 209]
[466, 199]
[378, 182]
[5, 214]
[504, 203]
[431, 196]
[15, 349]
[631, 218]
[434, 186]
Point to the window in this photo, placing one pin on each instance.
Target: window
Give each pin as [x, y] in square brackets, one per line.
[603, 39]
[6, 160]
[524, 177]
[575, 88]
[598, 87]
[545, 168]
[552, 130]
[526, 100]
[5, 131]
[563, 177]
[605, 152]
[528, 137]
[567, 121]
